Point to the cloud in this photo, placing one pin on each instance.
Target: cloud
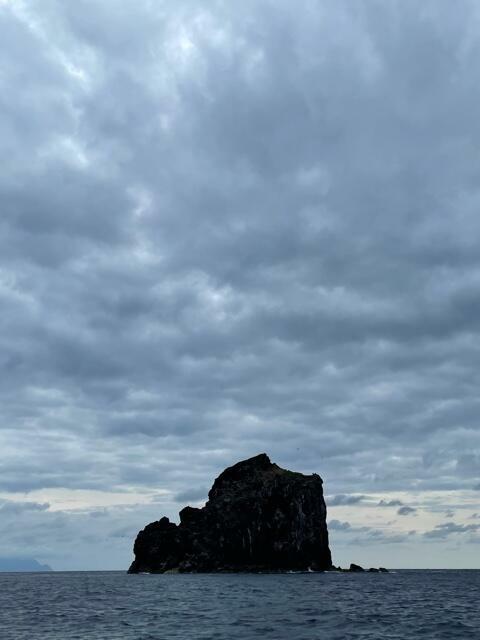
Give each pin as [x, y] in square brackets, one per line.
[469, 464]
[442, 531]
[337, 525]
[367, 536]
[343, 500]
[219, 238]
[192, 495]
[10, 507]
[390, 503]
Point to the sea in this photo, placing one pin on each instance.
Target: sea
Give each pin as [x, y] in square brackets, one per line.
[295, 606]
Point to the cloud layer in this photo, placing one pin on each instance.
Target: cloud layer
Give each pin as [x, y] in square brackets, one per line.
[229, 228]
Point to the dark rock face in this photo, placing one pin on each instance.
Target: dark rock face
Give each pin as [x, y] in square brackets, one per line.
[259, 517]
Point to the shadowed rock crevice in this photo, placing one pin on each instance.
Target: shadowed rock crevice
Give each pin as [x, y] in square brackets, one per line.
[258, 517]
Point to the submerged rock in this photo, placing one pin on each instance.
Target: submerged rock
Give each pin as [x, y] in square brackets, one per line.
[259, 517]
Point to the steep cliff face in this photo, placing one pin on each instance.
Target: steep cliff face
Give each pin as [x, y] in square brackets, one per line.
[258, 517]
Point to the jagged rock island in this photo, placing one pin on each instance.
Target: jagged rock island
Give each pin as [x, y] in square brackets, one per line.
[259, 517]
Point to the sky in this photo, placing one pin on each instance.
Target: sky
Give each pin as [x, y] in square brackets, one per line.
[229, 228]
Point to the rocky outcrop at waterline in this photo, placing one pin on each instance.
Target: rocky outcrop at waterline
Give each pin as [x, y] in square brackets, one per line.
[259, 517]
[356, 568]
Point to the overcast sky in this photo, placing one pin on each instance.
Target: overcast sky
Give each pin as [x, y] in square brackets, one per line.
[236, 227]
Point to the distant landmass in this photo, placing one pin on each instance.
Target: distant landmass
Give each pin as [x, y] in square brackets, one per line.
[259, 517]
[22, 564]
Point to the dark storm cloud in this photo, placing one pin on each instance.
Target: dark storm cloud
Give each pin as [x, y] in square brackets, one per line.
[235, 227]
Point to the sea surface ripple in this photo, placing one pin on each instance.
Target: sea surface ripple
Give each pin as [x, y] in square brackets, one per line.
[114, 605]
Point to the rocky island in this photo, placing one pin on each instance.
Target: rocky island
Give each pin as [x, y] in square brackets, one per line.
[258, 517]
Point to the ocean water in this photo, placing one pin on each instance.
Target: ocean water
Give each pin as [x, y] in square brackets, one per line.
[114, 605]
